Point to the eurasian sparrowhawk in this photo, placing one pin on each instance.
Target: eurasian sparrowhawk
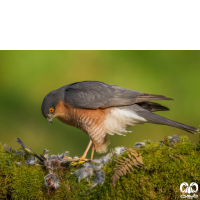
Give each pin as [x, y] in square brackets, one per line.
[99, 109]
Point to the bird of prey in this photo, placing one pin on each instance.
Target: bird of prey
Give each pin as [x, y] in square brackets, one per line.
[99, 109]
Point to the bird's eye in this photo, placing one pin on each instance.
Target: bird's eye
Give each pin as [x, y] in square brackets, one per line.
[51, 110]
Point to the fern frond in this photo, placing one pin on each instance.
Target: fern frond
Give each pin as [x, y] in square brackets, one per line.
[125, 165]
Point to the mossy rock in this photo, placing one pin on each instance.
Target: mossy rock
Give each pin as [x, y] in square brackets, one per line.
[166, 166]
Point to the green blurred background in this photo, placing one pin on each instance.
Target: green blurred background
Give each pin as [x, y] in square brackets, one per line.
[27, 76]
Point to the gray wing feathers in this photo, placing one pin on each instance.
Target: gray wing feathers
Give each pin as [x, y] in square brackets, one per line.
[151, 97]
[94, 94]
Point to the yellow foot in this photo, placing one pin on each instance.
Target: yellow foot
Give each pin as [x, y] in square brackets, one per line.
[82, 159]
[78, 161]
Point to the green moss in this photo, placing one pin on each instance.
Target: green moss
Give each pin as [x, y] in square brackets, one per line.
[27, 181]
[166, 167]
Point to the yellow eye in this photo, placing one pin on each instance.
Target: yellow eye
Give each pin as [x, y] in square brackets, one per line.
[51, 110]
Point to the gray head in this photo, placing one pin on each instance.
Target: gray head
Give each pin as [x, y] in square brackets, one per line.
[49, 104]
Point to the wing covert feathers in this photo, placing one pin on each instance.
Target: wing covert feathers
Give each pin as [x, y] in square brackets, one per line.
[94, 94]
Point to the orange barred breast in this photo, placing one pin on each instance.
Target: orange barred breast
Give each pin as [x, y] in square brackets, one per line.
[88, 120]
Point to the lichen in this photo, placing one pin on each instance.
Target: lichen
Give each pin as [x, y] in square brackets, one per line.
[166, 165]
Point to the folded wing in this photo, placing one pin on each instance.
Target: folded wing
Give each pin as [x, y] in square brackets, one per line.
[94, 94]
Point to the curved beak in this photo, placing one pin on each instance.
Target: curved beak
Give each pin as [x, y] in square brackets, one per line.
[50, 120]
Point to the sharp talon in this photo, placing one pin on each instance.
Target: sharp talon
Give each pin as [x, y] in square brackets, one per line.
[84, 159]
[78, 161]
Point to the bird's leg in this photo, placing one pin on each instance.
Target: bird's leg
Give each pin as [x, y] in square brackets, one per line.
[93, 148]
[82, 158]
[87, 149]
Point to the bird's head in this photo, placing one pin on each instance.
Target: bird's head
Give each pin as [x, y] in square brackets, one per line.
[49, 105]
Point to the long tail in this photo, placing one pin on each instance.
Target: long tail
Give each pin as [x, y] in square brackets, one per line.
[156, 119]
